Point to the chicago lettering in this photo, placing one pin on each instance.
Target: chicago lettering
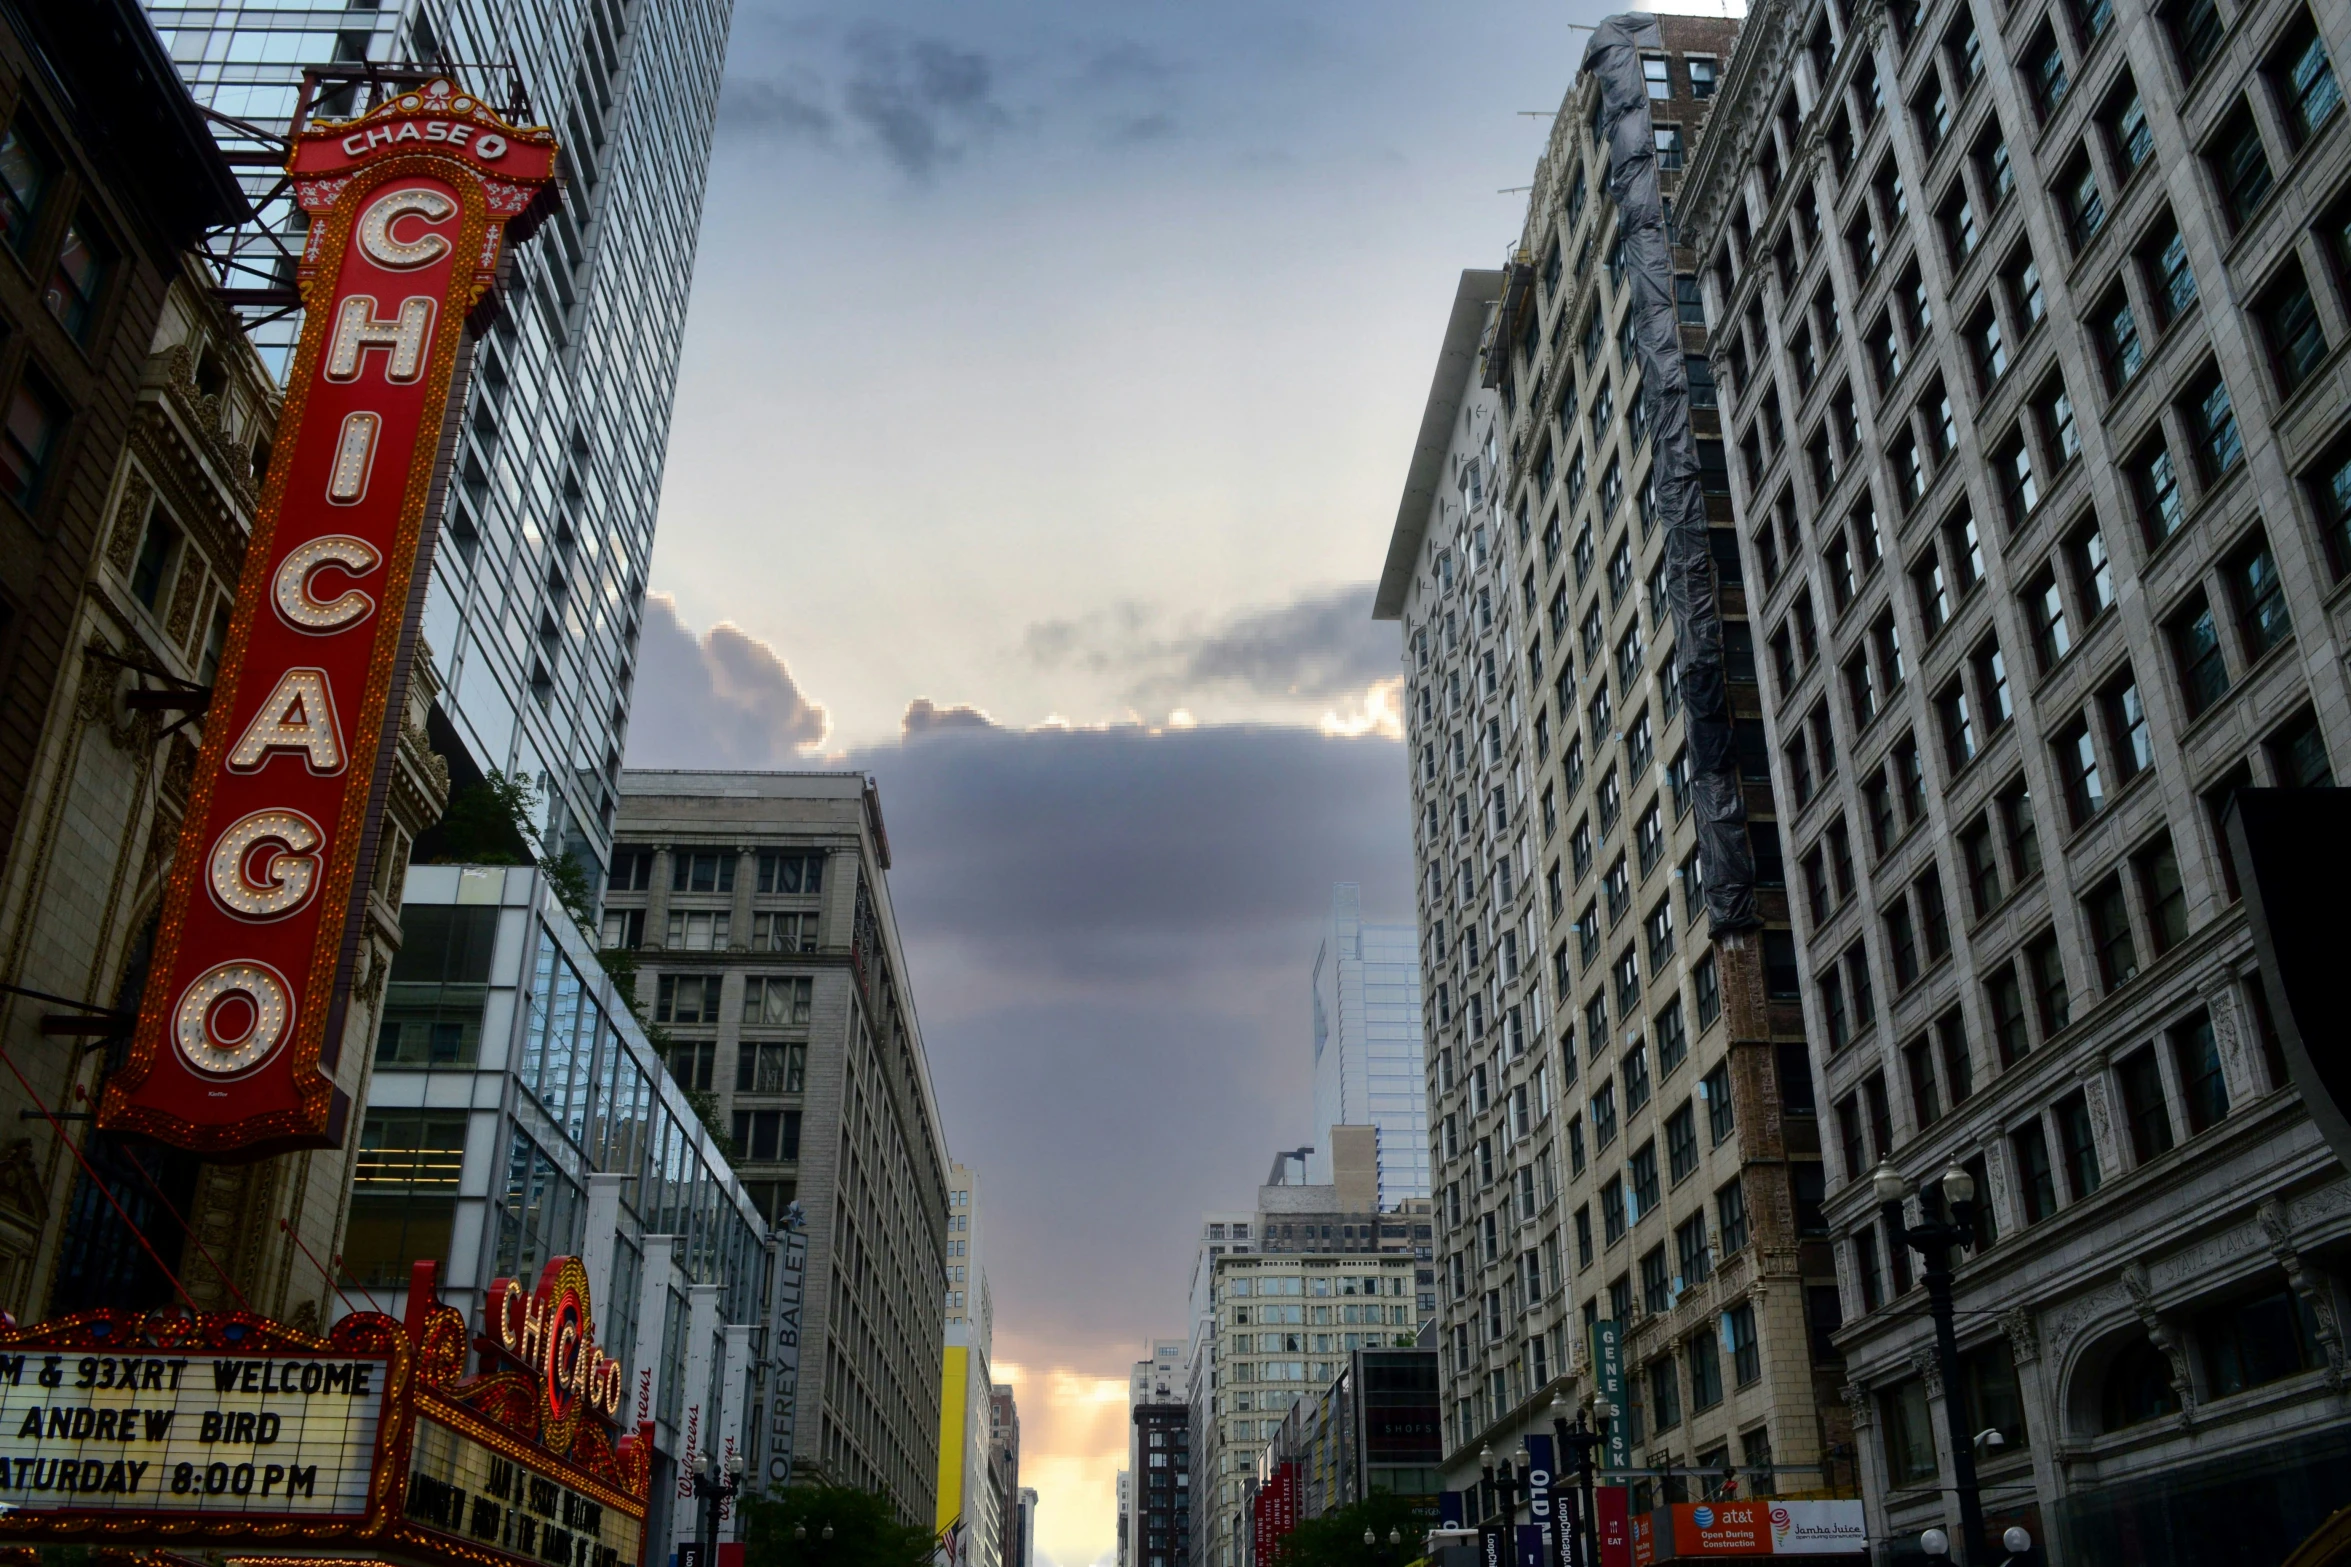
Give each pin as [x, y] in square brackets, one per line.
[265, 865]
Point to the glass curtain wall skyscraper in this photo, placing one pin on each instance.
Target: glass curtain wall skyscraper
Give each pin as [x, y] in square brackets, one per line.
[533, 608]
[1367, 1038]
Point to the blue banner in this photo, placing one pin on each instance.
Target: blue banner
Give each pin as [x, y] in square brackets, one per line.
[1542, 1482]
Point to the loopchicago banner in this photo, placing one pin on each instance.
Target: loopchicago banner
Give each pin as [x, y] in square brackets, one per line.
[240, 1030]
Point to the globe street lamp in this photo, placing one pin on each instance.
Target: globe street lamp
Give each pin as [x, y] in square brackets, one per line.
[1509, 1481]
[712, 1487]
[1584, 1442]
[1933, 1239]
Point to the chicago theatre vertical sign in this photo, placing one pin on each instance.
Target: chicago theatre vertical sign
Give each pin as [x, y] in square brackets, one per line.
[241, 1025]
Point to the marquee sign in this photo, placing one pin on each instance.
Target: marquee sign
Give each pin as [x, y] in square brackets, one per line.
[552, 1335]
[121, 1428]
[241, 1026]
[114, 1424]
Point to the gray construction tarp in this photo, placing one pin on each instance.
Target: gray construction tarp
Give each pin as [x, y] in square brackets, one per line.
[1726, 858]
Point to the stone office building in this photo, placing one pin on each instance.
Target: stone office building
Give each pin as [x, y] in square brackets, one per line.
[2030, 328]
[757, 907]
[1621, 1108]
[1274, 1330]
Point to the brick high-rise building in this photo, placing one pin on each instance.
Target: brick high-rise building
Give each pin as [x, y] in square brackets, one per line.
[2029, 324]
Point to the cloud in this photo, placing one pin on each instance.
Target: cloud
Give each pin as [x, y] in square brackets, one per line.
[1110, 936]
[923, 716]
[926, 101]
[723, 699]
[1130, 130]
[1319, 647]
[790, 109]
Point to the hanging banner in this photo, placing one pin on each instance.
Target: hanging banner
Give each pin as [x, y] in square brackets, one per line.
[1613, 1516]
[1540, 1477]
[1608, 1378]
[783, 1336]
[241, 1026]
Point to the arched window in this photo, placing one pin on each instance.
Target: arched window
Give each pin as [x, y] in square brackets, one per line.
[2137, 1387]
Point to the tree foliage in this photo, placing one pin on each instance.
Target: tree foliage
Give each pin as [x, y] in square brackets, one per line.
[487, 821]
[1336, 1539]
[866, 1533]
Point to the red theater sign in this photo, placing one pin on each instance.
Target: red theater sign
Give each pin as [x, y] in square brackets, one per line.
[242, 1022]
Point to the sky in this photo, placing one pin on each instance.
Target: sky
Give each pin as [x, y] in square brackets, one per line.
[1048, 388]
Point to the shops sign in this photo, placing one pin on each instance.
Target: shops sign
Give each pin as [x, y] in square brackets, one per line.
[242, 1023]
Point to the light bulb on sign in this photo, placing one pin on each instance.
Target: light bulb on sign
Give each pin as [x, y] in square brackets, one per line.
[197, 1022]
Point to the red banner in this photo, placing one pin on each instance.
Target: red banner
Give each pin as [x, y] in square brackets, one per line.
[241, 1026]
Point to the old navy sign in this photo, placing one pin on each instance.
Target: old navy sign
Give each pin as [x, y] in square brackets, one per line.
[241, 1026]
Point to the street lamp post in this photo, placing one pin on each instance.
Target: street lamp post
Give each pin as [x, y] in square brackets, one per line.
[1585, 1441]
[1933, 1239]
[1505, 1480]
[712, 1487]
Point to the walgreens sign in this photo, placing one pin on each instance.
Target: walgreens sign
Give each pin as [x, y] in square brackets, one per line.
[241, 1026]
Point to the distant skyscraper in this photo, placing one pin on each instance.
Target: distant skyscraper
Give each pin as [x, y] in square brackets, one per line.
[1367, 1045]
[532, 609]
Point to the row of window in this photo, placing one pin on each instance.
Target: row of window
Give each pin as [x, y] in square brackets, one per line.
[781, 871]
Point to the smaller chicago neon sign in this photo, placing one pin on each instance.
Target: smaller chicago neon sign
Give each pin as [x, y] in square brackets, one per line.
[551, 1333]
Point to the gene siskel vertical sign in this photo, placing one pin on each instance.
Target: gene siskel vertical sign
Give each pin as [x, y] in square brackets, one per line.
[242, 1021]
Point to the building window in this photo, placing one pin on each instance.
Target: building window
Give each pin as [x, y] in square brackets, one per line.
[2078, 1142]
[2144, 1110]
[2195, 641]
[702, 870]
[2197, 33]
[2202, 1086]
[1730, 1214]
[83, 260]
[2262, 620]
[686, 998]
[2005, 999]
[1665, 1395]
[28, 442]
[2110, 934]
[2289, 324]
[2156, 483]
[775, 1001]
[1705, 1359]
[2260, 1339]
[2307, 81]
[2241, 163]
[767, 1136]
[782, 872]
[1989, 1395]
[2077, 770]
[782, 1069]
[2036, 1182]
[26, 172]
[404, 1184]
[1909, 1433]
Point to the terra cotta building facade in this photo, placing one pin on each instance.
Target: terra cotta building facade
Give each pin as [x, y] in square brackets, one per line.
[2030, 324]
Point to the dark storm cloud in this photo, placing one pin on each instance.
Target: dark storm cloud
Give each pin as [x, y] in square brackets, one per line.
[1109, 935]
[1321, 645]
[926, 101]
[723, 699]
[787, 108]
